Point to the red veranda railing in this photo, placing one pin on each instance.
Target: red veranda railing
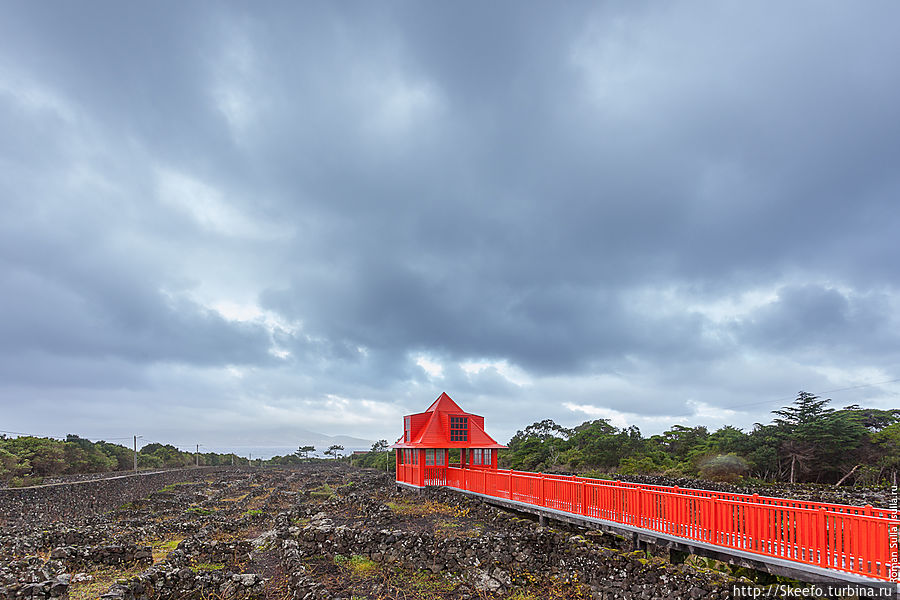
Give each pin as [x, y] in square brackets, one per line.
[860, 540]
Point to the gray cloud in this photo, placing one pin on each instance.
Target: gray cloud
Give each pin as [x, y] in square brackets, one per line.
[661, 213]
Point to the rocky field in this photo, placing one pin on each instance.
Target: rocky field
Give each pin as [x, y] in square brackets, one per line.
[324, 532]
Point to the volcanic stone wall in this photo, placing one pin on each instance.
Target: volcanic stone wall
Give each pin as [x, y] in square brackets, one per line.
[67, 501]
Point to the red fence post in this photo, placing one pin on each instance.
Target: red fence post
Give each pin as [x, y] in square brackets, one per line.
[822, 529]
[584, 497]
[676, 510]
[853, 539]
[754, 518]
[714, 531]
[639, 508]
[619, 499]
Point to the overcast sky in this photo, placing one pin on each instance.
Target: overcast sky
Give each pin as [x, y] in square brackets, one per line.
[225, 222]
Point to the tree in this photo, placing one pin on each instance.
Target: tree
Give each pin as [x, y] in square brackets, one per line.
[800, 427]
[334, 451]
[303, 452]
[681, 441]
[539, 446]
[597, 443]
[811, 435]
[888, 443]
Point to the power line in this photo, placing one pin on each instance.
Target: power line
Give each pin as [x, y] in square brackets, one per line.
[820, 394]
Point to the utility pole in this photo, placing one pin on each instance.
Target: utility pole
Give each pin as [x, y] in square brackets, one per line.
[135, 450]
[197, 455]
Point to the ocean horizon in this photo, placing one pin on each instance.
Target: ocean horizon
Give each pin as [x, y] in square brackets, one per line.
[267, 452]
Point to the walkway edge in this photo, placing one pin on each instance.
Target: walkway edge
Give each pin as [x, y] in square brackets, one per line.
[760, 562]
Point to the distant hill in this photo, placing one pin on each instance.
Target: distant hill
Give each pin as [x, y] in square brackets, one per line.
[322, 441]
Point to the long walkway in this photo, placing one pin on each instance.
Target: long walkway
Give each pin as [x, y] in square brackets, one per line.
[816, 538]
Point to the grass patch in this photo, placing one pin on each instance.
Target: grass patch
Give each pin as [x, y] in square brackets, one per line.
[101, 580]
[324, 491]
[253, 512]
[523, 595]
[200, 567]
[236, 498]
[457, 530]
[424, 585]
[173, 486]
[358, 574]
[162, 548]
[534, 586]
[197, 510]
[428, 507]
[258, 501]
[357, 565]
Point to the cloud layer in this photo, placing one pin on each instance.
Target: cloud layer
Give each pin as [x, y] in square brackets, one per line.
[225, 221]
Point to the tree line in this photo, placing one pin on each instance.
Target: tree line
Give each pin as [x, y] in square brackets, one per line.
[26, 460]
[302, 455]
[806, 441]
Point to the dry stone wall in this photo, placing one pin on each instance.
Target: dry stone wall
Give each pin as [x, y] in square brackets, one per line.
[73, 501]
[496, 561]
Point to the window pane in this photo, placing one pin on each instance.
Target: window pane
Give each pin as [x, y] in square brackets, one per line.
[459, 429]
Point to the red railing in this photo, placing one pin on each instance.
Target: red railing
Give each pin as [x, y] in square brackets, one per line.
[846, 538]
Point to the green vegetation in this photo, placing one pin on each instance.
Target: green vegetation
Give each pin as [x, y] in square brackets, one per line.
[418, 508]
[162, 548]
[207, 567]
[334, 451]
[357, 565]
[422, 585]
[378, 457]
[27, 460]
[199, 511]
[323, 491]
[174, 486]
[301, 455]
[99, 582]
[806, 441]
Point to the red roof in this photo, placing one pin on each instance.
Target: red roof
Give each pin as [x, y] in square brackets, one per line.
[431, 429]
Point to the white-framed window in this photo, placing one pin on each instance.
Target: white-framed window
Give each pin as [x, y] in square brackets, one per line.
[407, 425]
[477, 454]
[434, 456]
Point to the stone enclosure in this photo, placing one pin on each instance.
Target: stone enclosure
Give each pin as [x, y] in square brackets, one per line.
[316, 532]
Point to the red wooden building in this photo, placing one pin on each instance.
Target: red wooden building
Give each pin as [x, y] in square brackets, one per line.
[423, 453]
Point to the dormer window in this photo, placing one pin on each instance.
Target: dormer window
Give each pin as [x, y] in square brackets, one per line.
[459, 429]
[407, 421]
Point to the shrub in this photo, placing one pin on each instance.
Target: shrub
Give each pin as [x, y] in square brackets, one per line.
[724, 467]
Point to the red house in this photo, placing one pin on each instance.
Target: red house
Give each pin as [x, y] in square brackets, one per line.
[423, 453]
